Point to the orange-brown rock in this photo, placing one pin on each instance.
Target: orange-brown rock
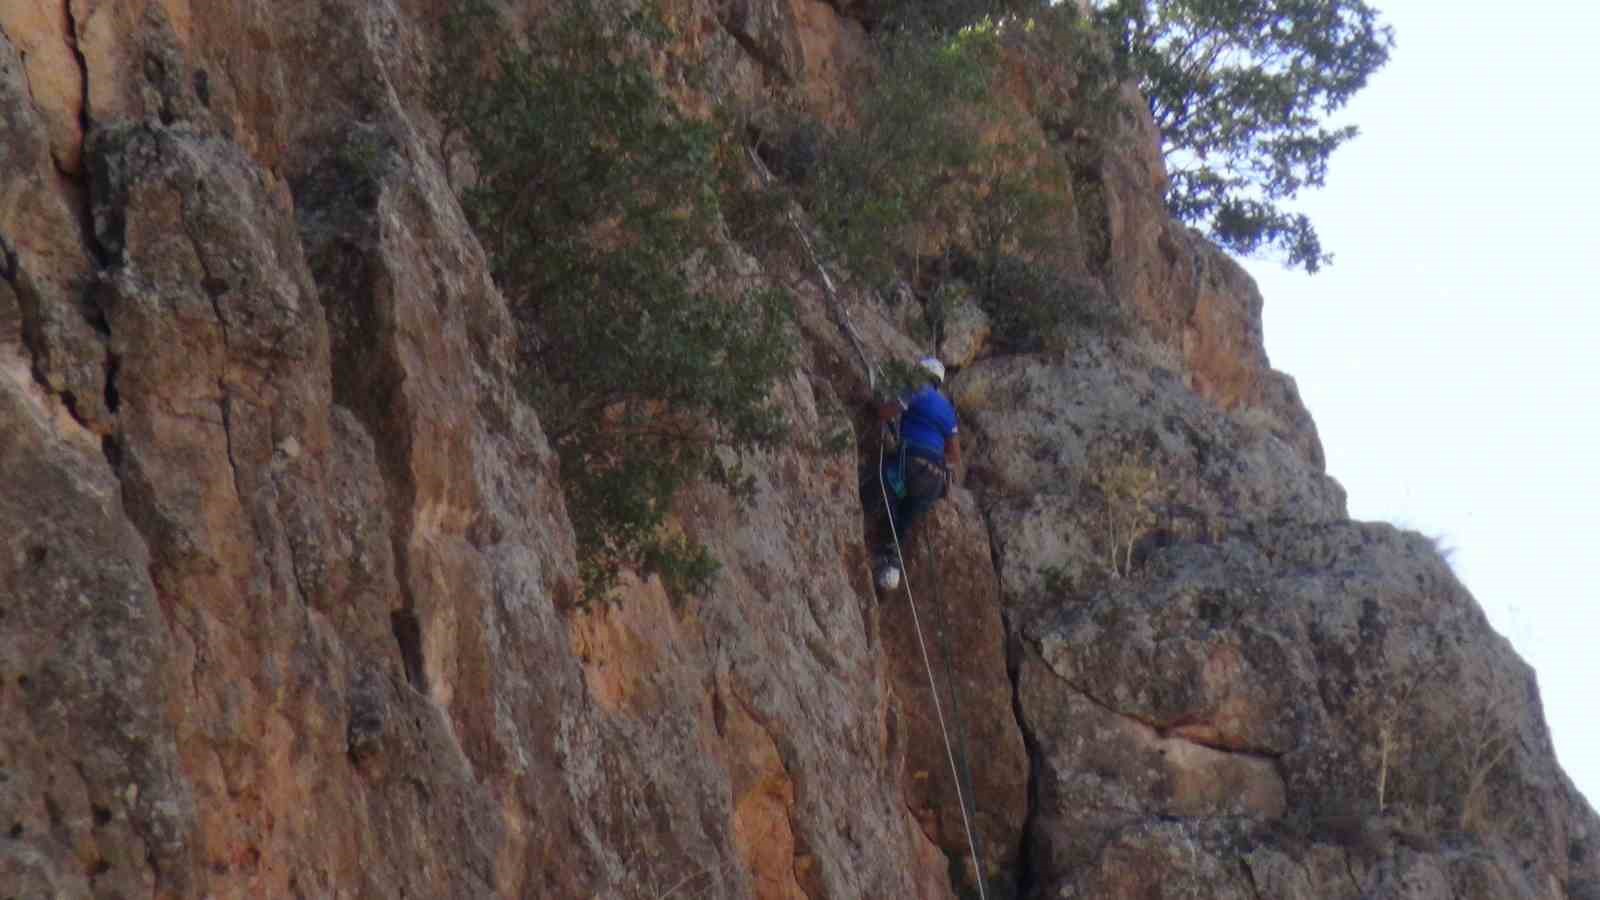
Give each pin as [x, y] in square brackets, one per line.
[44, 37]
[1193, 297]
[945, 625]
[287, 581]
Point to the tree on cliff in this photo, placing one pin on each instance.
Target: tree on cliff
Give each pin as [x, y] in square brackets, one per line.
[1241, 90]
[596, 200]
[941, 16]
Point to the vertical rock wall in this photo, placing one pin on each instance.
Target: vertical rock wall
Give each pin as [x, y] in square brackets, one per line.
[287, 583]
[292, 556]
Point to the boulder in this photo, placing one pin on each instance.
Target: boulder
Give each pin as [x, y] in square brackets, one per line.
[966, 332]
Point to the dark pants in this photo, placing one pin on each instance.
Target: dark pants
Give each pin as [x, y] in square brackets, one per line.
[924, 482]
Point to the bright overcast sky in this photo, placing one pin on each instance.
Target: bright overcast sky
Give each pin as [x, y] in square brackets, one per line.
[1449, 355]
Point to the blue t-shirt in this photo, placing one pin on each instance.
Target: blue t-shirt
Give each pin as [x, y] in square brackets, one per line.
[928, 421]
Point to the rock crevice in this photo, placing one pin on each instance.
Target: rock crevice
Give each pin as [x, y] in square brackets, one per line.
[1192, 729]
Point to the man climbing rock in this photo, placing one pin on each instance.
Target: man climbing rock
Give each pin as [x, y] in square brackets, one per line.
[917, 474]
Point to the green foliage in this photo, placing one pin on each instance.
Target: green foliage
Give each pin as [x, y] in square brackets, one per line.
[1033, 307]
[685, 567]
[838, 440]
[1073, 75]
[937, 309]
[1057, 581]
[837, 434]
[1125, 476]
[1083, 111]
[597, 202]
[1241, 90]
[942, 16]
[1013, 217]
[896, 378]
[363, 154]
[951, 184]
[878, 186]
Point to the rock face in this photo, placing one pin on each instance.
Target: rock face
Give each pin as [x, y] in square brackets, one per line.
[1286, 685]
[287, 580]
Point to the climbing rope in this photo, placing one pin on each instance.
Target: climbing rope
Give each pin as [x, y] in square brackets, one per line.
[835, 305]
[933, 686]
[842, 318]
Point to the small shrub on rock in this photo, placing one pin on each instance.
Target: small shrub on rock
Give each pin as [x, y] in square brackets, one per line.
[598, 203]
[951, 174]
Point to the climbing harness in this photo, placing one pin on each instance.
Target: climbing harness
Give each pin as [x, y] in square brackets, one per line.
[933, 686]
[896, 477]
[842, 318]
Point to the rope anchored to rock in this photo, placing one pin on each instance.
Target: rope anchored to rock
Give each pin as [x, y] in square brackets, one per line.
[842, 318]
[835, 305]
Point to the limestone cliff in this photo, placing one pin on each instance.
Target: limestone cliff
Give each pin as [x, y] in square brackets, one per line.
[286, 574]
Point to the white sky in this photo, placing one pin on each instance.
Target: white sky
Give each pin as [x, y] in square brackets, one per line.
[1449, 354]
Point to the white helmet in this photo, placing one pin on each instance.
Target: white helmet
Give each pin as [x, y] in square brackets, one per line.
[932, 366]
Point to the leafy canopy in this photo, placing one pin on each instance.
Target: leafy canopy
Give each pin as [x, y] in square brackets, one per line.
[941, 16]
[597, 201]
[1241, 90]
[910, 160]
[947, 183]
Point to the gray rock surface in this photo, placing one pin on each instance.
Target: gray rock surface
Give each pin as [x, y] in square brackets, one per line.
[84, 673]
[966, 332]
[1104, 451]
[1321, 671]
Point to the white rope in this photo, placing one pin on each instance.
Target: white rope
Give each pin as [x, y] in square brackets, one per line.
[842, 316]
[835, 305]
[933, 686]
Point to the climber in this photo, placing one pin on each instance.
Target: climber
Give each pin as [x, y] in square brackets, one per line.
[918, 473]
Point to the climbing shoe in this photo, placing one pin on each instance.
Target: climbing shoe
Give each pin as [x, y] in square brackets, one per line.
[888, 577]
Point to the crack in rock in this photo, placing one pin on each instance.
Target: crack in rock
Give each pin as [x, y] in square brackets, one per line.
[1030, 743]
[1175, 730]
[761, 722]
[1250, 879]
[59, 355]
[226, 405]
[8, 262]
[83, 66]
[214, 288]
[1351, 872]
